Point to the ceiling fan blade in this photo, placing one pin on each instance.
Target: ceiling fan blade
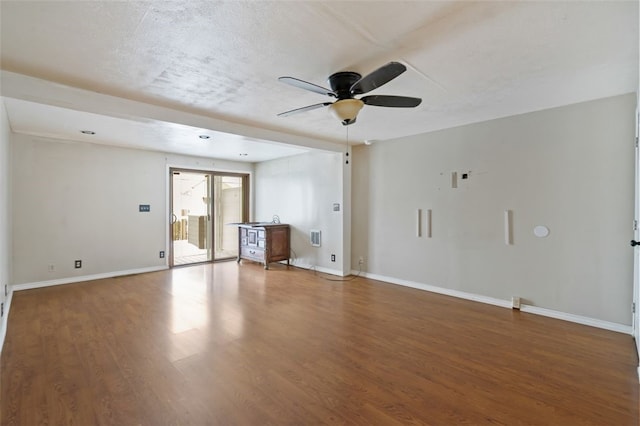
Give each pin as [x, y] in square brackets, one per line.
[377, 78]
[303, 109]
[391, 101]
[301, 84]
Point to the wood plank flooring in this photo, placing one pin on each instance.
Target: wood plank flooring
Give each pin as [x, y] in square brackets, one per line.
[230, 344]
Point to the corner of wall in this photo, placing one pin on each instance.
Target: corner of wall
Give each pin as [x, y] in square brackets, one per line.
[6, 290]
[303, 191]
[5, 318]
[346, 217]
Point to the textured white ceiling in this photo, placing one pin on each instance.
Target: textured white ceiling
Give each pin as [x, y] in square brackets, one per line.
[468, 61]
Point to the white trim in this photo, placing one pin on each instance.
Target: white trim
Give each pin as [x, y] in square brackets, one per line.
[612, 326]
[329, 271]
[308, 267]
[440, 290]
[5, 318]
[317, 268]
[49, 283]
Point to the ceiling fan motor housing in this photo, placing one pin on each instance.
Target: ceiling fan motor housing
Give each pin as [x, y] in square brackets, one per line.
[341, 83]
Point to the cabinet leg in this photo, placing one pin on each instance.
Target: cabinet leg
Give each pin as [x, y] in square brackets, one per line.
[238, 260]
[266, 266]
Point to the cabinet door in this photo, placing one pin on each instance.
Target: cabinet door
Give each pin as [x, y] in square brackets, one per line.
[279, 242]
[253, 237]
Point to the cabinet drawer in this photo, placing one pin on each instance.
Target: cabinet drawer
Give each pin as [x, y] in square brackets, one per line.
[252, 253]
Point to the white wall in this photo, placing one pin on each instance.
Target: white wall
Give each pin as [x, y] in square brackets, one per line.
[80, 201]
[301, 190]
[5, 213]
[569, 168]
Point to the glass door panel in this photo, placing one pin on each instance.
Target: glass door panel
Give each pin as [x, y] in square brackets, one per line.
[191, 217]
[228, 208]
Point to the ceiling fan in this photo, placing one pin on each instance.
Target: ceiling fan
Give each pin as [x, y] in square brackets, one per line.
[346, 84]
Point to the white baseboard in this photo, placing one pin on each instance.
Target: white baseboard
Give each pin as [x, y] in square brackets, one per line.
[318, 268]
[5, 319]
[612, 326]
[49, 283]
[439, 290]
[330, 271]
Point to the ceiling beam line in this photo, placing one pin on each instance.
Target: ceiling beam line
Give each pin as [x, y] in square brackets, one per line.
[23, 87]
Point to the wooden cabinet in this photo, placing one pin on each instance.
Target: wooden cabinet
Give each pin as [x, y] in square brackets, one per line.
[264, 242]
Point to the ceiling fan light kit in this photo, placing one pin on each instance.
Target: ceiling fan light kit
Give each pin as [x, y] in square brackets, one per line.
[346, 84]
[346, 110]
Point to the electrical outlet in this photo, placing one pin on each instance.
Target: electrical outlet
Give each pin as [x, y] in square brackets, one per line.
[51, 268]
[361, 260]
[333, 257]
[78, 264]
[161, 254]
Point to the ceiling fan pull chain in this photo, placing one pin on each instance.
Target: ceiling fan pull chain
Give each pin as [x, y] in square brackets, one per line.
[347, 153]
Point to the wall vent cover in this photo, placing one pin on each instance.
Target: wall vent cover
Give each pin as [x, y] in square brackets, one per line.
[314, 237]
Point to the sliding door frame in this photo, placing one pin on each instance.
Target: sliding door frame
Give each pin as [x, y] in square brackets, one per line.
[246, 198]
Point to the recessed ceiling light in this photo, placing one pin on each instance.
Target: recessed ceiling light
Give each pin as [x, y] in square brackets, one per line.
[88, 132]
[243, 154]
[204, 136]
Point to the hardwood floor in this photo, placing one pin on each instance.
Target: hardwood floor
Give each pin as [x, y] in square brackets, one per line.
[234, 344]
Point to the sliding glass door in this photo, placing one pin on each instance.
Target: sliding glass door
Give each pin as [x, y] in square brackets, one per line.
[202, 208]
